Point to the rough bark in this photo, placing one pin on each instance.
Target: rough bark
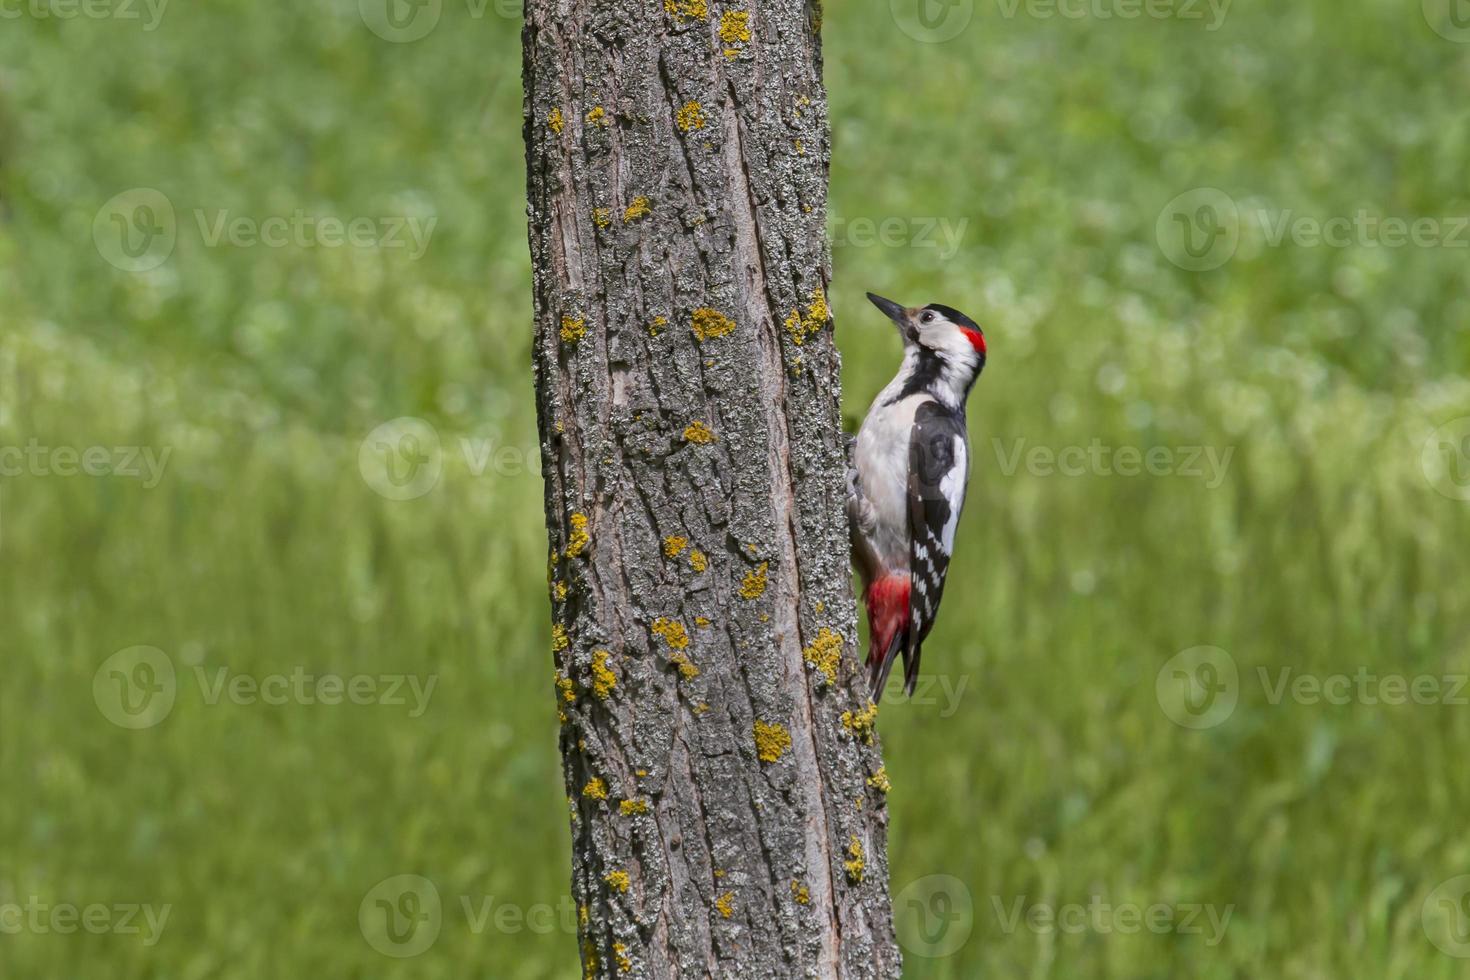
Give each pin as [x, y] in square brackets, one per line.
[724, 781]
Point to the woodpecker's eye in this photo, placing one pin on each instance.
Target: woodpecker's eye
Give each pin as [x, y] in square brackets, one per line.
[927, 317]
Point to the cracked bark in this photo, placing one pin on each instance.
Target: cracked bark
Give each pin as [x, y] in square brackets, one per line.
[725, 789]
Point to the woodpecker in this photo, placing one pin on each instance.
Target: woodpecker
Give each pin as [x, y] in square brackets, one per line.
[906, 486]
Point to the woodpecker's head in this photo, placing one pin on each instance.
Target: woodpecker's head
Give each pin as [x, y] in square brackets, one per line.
[947, 347]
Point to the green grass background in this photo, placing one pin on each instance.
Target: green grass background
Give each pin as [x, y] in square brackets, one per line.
[1055, 776]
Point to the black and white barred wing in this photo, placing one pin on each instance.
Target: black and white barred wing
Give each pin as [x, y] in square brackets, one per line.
[939, 467]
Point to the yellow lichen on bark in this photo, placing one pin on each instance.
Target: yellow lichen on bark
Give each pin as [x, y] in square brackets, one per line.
[771, 740]
[825, 653]
[631, 808]
[753, 585]
[554, 120]
[799, 892]
[697, 560]
[708, 324]
[595, 789]
[801, 326]
[734, 26]
[698, 432]
[860, 723]
[855, 863]
[579, 537]
[618, 880]
[674, 545]
[638, 209]
[689, 117]
[673, 633]
[573, 328]
[603, 679]
[726, 904]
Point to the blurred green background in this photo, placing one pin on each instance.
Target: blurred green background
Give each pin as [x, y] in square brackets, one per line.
[1052, 762]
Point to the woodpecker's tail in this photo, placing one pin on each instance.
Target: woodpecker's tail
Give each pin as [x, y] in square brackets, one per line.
[887, 599]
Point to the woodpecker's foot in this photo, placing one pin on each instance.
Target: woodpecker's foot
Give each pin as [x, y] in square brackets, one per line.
[859, 510]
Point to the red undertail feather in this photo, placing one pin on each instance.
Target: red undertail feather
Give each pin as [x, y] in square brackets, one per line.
[887, 599]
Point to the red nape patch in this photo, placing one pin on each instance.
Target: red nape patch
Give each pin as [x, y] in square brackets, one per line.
[887, 600]
[976, 339]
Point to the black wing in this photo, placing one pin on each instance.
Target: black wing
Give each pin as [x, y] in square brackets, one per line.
[939, 468]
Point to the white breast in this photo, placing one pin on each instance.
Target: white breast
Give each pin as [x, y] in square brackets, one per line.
[882, 459]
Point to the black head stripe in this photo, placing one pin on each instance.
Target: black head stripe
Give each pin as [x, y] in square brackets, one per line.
[953, 315]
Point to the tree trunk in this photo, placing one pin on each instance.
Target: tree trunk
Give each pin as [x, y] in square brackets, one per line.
[723, 776]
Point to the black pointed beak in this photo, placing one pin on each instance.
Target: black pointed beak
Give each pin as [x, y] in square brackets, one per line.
[891, 309]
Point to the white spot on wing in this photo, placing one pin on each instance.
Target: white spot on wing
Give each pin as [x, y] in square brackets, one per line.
[952, 486]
